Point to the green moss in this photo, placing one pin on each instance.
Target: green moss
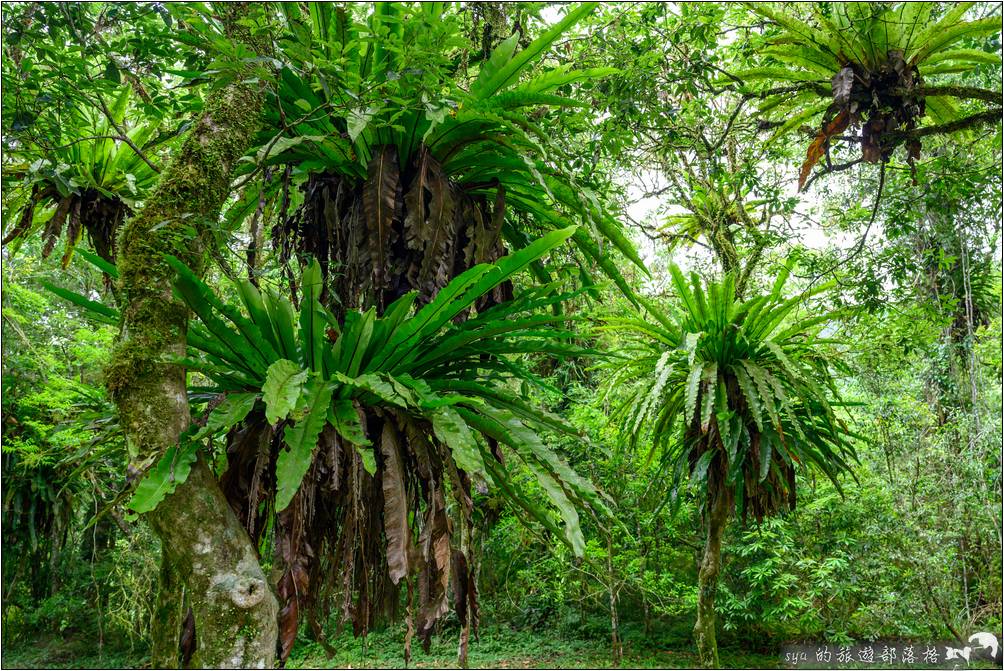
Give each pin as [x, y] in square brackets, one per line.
[177, 220]
[247, 630]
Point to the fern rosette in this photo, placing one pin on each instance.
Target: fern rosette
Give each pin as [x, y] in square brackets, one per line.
[391, 414]
[735, 394]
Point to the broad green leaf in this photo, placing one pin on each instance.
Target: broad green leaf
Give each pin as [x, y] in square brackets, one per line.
[700, 471]
[504, 71]
[104, 266]
[343, 416]
[94, 310]
[301, 439]
[284, 383]
[693, 385]
[366, 455]
[171, 470]
[233, 409]
[765, 458]
[312, 320]
[453, 431]
[710, 378]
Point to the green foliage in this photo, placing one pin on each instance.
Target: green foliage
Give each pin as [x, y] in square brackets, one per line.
[283, 385]
[87, 185]
[301, 438]
[877, 58]
[170, 471]
[62, 456]
[737, 393]
[421, 364]
[385, 461]
[87, 112]
[866, 34]
[400, 90]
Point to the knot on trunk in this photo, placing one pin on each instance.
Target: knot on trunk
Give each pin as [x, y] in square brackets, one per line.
[243, 591]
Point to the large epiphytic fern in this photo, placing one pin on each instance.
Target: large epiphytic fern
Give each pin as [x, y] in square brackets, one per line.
[735, 394]
[359, 432]
[869, 65]
[87, 184]
[411, 185]
[420, 364]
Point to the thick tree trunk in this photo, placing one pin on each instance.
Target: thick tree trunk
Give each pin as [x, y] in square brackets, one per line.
[704, 629]
[235, 612]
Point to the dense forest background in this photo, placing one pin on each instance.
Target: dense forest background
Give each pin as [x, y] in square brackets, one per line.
[846, 156]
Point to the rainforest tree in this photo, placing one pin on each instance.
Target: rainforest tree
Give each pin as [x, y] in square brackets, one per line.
[401, 204]
[437, 319]
[738, 397]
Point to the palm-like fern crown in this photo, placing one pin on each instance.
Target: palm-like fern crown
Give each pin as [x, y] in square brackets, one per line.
[737, 394]
[869, 62]
[89, 183]
[342, 433]
[377, 112]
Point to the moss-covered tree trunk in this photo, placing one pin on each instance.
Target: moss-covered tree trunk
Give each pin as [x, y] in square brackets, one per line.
[202, 540]
[704, 629]
[165, 625]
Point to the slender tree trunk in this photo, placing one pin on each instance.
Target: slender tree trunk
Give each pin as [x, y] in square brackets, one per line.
[235, 612]
[704, 629]
[646, 618]
[616, 648]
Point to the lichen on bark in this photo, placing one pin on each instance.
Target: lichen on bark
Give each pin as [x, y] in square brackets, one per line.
[236, 614]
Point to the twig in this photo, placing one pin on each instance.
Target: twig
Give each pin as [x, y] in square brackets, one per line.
[858, 248]
[101, 101]
[89, 137]
[125, 138]
[728, 126]
[965, 92]
[839, 167]
[817, 87]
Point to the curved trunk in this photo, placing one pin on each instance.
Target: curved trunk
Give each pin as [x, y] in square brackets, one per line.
[235, 613]
[704, 629]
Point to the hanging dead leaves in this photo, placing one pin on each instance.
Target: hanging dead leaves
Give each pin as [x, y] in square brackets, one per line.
[90, 211]
[356, 535]
[352, 539]
[401, 228]
[880, 104]
[767, 476]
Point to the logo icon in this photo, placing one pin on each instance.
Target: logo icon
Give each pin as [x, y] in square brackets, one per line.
[981, 641]
[984, 640]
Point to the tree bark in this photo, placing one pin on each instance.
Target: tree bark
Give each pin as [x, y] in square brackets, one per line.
[704, 629]
[235, 612]
[165, 626]
[616, 649]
